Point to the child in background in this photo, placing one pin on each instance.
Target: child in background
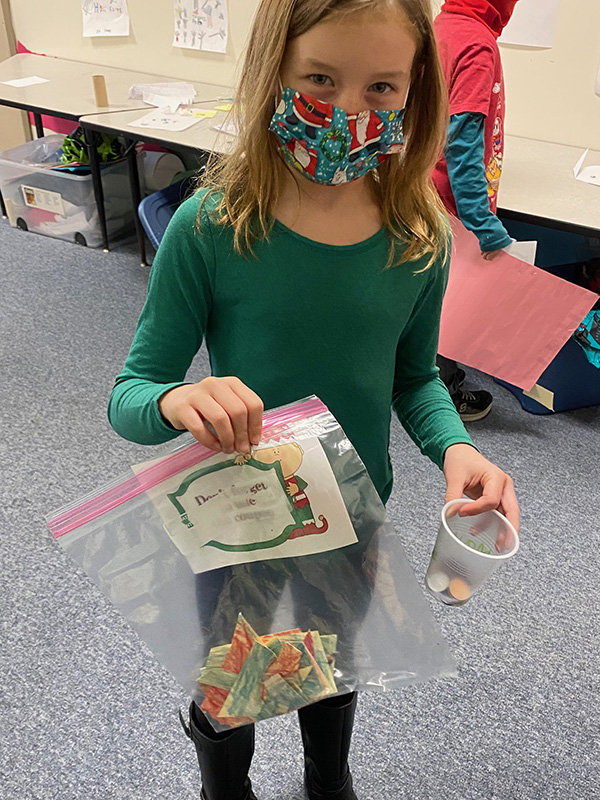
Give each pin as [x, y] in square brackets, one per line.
[313, 261]
[468, 176]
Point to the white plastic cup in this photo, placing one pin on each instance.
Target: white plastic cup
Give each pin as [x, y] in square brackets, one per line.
[467, 551]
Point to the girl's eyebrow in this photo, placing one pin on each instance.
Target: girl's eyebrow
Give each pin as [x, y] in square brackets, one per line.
[311, 63]
[314, 64]
[385, 75]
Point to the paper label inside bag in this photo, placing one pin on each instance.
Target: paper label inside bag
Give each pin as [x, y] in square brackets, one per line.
[284, 501]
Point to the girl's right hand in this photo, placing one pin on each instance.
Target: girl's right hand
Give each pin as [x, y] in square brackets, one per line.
[234, 411]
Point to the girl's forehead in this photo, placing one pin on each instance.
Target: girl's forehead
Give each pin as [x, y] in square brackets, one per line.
[379, 41]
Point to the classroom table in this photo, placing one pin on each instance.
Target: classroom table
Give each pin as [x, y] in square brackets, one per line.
[200, 137]
[538, 186]
[69, 94]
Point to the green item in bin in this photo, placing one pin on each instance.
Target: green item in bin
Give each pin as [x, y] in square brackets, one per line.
[74, 148]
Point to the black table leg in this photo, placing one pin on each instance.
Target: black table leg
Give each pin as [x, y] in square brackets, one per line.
[136, 196]
[90, 137]
[3, 207]
[39, 128]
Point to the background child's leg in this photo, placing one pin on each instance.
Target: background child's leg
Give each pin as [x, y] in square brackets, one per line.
[451, 374]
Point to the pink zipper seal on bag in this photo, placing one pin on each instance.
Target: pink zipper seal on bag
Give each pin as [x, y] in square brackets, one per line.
[274, 422]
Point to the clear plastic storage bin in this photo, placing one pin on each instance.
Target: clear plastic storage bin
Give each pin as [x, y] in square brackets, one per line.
[60, 203]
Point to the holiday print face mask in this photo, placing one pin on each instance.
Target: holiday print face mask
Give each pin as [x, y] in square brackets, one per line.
[330, 146]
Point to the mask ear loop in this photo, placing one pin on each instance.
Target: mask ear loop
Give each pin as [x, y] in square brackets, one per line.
[406, 98]
[278, 92]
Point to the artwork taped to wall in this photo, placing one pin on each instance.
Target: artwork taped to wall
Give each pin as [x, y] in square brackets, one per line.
[201, 25]
[106, 18]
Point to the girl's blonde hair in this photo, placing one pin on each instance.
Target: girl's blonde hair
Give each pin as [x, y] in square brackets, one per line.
[249, 180]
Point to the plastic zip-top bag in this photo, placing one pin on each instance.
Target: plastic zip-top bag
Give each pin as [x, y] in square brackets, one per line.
[263, 582]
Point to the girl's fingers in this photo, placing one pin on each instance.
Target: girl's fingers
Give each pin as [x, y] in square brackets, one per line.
[489, 500]
[510, 505]
[255, 408]
[213, 411]
[237, 412]
[194, 424]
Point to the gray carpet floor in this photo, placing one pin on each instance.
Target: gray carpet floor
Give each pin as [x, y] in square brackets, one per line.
[87, 712]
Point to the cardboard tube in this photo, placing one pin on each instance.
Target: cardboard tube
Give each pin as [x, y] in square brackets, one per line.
[100, 91]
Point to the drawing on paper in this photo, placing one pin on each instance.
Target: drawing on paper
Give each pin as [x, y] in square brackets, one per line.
[107, 18]
[201, 25]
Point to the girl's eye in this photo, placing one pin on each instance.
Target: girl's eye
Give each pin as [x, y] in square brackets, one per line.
[321, 80]
[380, 88]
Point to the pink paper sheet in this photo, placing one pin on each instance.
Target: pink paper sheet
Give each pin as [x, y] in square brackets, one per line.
[505, 317]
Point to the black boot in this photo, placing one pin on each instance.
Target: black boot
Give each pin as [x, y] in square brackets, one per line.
[224, 758]
[326, 729]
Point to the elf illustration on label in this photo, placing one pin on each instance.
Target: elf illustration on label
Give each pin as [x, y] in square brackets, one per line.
[290, 458]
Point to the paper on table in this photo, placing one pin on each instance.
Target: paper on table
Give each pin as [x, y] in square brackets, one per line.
[224, 512]
[164, 121]
[166, 96]
[198, 113]
[533, 24]
[108, 19]
[163, 94]
[20, 82]
[587, 174]
[227, 127]
[505, 317]
[524, 251]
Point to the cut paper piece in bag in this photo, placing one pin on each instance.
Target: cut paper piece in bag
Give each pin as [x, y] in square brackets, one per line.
[590, 174]
[283, 501]
[504, 317]
[259, 677]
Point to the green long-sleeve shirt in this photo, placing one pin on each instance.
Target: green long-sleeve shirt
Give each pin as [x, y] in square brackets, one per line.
[300, 318]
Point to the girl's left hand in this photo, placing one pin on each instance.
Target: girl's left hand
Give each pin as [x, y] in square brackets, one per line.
[468, 472]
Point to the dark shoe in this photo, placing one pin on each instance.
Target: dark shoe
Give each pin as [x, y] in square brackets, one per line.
[326, 729]
[224, 758]
[472, 405]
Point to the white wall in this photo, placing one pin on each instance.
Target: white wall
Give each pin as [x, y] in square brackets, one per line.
[550, 93]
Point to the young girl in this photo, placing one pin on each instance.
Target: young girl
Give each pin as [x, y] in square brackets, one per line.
[313, 261]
